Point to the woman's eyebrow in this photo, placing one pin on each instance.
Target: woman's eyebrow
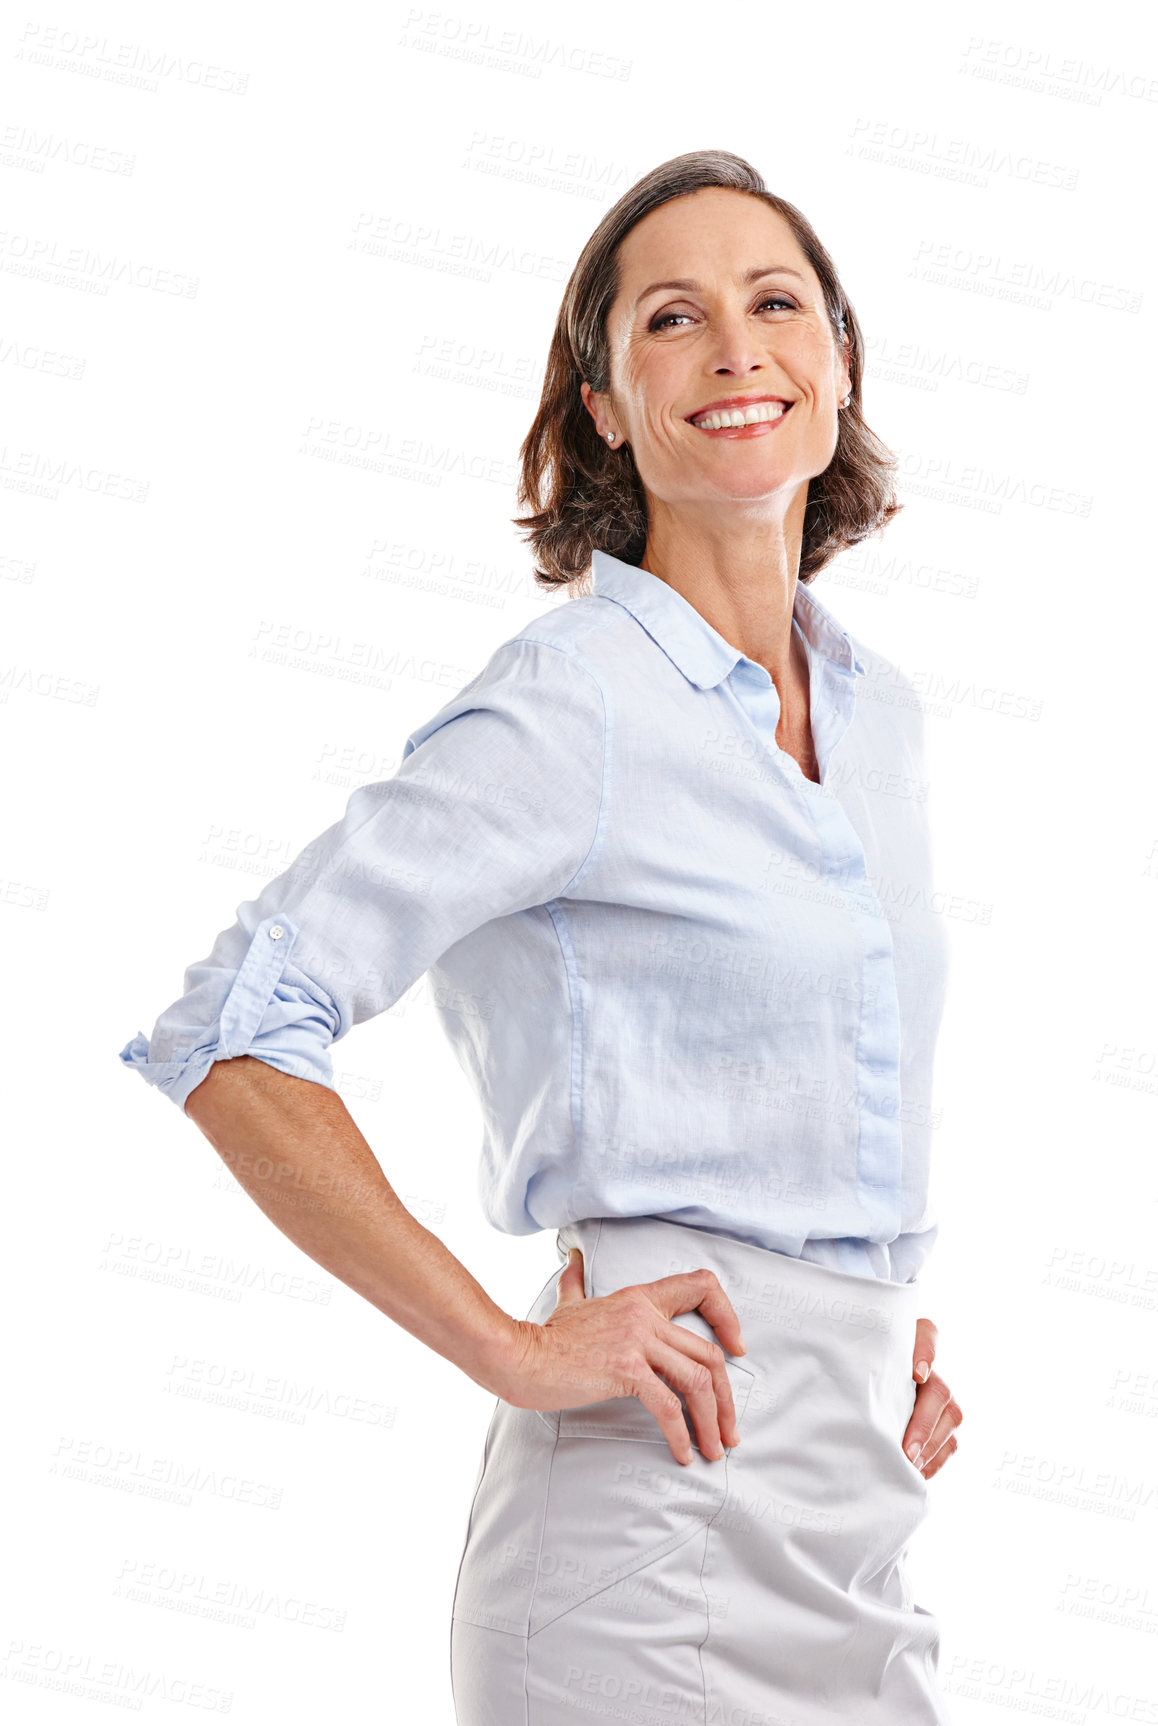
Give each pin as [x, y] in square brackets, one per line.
[754, 275]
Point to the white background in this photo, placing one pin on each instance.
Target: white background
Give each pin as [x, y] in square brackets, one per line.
[278, 289]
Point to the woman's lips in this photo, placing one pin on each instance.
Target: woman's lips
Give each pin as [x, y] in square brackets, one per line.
[758, 429]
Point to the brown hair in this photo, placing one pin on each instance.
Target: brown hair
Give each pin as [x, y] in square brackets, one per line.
[583, 494]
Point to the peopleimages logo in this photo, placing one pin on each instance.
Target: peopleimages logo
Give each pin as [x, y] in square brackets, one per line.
[476, 40]
[1021, 279]
[777, 1296]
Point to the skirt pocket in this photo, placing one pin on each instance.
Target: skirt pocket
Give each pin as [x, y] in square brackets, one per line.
[617, 1500]
[570, 1501]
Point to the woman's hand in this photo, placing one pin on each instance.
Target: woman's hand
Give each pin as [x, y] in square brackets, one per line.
[619, 1344]
[935, 1417]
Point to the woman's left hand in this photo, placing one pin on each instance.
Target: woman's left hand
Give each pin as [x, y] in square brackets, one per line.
[935, 1417]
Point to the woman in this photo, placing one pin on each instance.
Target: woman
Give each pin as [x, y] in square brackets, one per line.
[647, 854]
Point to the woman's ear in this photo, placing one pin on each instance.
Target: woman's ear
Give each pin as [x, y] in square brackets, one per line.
[597, 406]
[846, 373]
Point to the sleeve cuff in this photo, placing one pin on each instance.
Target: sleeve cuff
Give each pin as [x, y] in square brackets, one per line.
[299, 1013]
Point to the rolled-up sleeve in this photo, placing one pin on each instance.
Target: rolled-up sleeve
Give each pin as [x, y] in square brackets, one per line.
[495, 808]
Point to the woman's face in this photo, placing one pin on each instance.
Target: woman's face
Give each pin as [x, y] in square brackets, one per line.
[745, 318]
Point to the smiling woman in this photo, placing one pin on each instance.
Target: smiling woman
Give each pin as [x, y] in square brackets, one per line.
[700, 445]
[674, 834]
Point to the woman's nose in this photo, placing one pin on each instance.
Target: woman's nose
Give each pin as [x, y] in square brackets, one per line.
[735, 346]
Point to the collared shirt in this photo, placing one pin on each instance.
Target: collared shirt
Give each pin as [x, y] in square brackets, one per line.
[685, 980]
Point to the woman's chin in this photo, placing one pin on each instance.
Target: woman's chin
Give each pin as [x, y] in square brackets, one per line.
[742, 483]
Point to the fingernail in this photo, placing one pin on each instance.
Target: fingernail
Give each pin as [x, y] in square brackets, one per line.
[914, 1451]
[743, 1346]
[922, 1370]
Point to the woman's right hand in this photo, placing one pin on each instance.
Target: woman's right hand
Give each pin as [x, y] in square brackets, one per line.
[625, 1344]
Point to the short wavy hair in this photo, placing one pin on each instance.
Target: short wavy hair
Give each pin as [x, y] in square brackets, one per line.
[583, 494]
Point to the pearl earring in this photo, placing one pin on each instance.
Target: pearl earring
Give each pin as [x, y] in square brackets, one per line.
[611, 437]
[846, 401]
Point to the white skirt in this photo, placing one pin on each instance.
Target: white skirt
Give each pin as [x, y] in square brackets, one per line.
[764, 1589]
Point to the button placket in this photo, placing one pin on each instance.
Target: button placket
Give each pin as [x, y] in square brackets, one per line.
[844, 865]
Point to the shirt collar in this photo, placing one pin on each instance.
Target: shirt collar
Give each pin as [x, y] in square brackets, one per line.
[687, 637]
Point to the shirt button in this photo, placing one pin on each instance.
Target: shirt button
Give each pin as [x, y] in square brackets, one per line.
[276, 932]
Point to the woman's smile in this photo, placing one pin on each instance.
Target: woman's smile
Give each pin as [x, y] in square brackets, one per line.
[741, 416]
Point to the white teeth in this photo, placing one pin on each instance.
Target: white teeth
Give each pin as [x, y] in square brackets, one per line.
[742, 416]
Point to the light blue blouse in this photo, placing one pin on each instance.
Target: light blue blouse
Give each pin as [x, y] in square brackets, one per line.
[684, 979]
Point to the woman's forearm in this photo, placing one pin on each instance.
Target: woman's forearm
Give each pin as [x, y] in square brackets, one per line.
[294, 1147]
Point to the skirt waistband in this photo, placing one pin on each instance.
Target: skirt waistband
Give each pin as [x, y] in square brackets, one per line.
[772, 1292]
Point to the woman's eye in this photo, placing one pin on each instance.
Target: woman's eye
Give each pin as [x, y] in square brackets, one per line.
[663, 319]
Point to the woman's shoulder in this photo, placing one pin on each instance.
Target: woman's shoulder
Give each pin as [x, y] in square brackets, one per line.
[572, 626]
[546, 667]
[563, 644]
